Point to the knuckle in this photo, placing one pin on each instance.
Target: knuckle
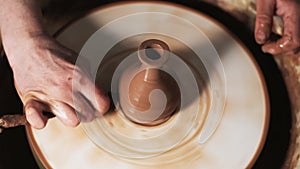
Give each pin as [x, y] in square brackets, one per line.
[297, 42]
[81, 77]
[63, 89]
[264, 18]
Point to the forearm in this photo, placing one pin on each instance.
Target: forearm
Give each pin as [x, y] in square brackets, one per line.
[19, 20]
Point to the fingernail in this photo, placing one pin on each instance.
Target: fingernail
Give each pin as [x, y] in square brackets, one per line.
[260, 36]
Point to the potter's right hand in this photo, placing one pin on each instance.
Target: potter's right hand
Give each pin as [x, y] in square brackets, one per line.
[43, 73]
[289, 43]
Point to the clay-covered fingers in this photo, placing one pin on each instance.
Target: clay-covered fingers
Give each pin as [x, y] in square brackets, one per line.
[289, 11]
[286, 45]
[289, 43]
[264, 20]
[89, 100]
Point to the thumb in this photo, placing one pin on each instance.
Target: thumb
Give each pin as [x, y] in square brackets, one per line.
[264, 18]
[34, 114]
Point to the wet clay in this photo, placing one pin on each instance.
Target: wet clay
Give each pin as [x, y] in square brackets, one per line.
[153, 94]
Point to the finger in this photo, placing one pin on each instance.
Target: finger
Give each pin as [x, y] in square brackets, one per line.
[65, 113]
[289, 43]
[34, 114]
[264, 18]
[102, 100]
[84, 109]
[94, 96]
[281, 46]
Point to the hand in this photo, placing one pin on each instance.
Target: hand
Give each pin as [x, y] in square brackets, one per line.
[289, 10]
[43, 72]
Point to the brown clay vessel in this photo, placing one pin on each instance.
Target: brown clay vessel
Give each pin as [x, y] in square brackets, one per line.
[153, 93]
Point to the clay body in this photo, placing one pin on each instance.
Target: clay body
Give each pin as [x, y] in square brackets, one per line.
[153, 95]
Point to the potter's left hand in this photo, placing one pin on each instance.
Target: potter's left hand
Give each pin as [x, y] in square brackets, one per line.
[289, 43]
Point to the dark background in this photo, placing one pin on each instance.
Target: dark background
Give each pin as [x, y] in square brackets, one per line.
[15, 152]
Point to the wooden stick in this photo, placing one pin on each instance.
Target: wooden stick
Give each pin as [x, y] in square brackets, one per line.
[15, 120]
[8, 121]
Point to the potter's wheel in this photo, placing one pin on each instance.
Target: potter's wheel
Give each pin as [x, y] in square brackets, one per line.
[240, 135]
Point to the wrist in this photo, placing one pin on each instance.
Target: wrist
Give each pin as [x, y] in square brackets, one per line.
[19, 39]
[20, 23]
[25, 20]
